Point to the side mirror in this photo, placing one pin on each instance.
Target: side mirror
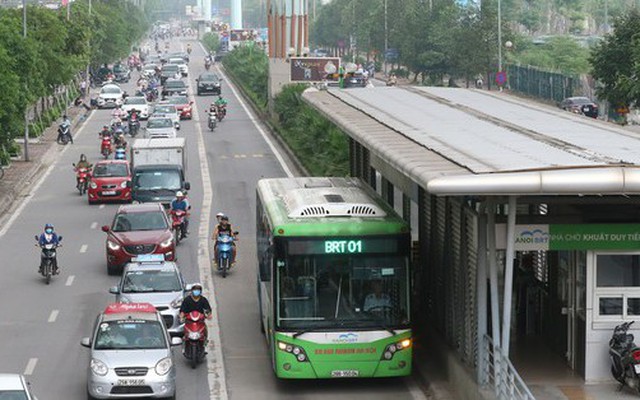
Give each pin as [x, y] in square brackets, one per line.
[129, 184]
[236, 232]
[60, 238]
[105, 228]
[37, 238]
[197, 79]
[221, 79]
[176, 341]
[187, 186]
[114, 290]
[85, 342]
[191, 103]
[74, 164]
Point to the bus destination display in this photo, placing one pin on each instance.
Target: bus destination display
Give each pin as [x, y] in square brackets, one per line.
[343, 246]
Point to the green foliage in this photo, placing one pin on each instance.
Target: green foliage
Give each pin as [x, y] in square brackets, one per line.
[561, 53]
[320, 146]
[211, 42]
[250, 68]
[616, 62]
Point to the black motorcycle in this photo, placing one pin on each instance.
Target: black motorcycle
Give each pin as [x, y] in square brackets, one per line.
[64, 135]
[625, 357]
[48, 259]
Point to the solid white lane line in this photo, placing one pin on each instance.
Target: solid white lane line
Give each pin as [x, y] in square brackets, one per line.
[215, 361]
[53, 315]
[16, 213]
[70, 280]
[101, 206]
[264, 135]
[94, 225]
[83, 248]
[31, 365]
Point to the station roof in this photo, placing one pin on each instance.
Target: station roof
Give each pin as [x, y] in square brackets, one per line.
[459, 141]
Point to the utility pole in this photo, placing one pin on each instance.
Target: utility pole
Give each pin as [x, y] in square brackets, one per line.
[26, 106]
[499, 37]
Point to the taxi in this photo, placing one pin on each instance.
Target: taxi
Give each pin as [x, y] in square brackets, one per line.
[131, 354]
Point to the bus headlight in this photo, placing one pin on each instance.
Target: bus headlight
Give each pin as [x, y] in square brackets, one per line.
[393, 348]
[297, 351]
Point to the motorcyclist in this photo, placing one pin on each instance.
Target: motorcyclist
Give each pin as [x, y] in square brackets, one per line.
[182, 204]
[221, 104]
[65, 124]
[188, 48]
[224, 228]
[196, 302]
[119, 140]
[49, 236]
[105, 132]
[392, 81]
[118, 112]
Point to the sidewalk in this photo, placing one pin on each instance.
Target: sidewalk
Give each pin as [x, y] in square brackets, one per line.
[20, 175]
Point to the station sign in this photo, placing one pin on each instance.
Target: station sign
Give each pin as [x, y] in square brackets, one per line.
[312, 69]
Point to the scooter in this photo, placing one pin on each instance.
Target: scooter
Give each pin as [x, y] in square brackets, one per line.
[64, 135]
[177, 224]
[82, 179]
[225, 251]
[134, 125]
[625, 357]
[212, 121]
[221, 112]
[195, 334]
[48, 259]
[105, 146]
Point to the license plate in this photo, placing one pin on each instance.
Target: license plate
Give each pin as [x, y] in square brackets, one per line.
[109, 192]
[636, 367]
[345, 373]
[130, 382]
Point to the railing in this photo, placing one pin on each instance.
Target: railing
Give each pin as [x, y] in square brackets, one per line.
[500, 373]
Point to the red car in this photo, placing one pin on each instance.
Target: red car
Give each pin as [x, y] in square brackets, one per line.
[183, 105]
[111, 181]
[138, 229]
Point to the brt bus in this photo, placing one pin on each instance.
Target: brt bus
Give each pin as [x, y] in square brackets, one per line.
[333, 279]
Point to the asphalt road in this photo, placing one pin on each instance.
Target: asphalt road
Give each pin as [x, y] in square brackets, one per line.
[41, 326]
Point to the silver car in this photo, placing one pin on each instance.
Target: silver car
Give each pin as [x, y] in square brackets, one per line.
[130, 354]
[160, 127]
[167, 111]
[150, 279]
[14, 386]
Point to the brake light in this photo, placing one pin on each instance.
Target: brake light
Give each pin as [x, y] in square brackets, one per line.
[636, 355]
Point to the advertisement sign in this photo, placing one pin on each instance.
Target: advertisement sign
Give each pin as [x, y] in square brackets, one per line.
[572, 237]
[312, 69]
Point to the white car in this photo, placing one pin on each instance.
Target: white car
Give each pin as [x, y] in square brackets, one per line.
[149, 70]
[182, 65]
[14, 386]
[110, 96]
[139, 103]
[167, 111]
[160, 128]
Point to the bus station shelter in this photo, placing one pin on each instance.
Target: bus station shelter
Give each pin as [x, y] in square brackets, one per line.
[525, 219]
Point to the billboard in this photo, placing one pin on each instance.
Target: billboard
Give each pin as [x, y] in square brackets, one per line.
[312, 69]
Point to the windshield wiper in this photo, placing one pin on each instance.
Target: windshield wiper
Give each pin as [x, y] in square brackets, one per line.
[301, 332]
[382, 325]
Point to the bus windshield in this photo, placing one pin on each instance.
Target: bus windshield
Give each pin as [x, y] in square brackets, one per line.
[351, 292]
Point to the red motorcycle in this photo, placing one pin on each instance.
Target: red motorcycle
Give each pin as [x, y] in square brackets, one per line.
[195, 335]
[105, 146]
[221, 112]
[82, 179]
[177, 224]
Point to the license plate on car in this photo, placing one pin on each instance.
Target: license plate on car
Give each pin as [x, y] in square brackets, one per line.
[636, 367]
[130, 382]
[109, 193]
[345, 373]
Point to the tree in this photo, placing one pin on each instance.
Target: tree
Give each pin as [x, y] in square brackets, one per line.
[615, 62]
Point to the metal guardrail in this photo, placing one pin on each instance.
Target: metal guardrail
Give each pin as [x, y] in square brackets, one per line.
[501, 374]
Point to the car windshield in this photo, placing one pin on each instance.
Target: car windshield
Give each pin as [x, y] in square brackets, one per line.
[108, 170]
[327, 291]
[150, 67]
[178, 100]
[176, 61]
[140, 221]
[175, 84]
[119, 68]
[170, 68]
[13, 395]
[151, 281]
[157, 180]
[135, 100]
[160, 122]
[208, 78]
[580, 100]
[130, 334]
[111, 90]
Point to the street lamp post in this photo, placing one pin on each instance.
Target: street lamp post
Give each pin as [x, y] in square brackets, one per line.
[499, 37]
[26, 106]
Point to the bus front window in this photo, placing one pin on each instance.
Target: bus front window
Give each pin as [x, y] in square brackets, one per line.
[323, 292]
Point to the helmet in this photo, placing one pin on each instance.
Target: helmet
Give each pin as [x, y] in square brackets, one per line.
[64, 116]
[47, 226]
[179, 194]
[220, 215]
[196, 285]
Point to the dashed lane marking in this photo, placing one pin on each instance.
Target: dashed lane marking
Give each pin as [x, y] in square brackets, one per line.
[101, 206]
[94, 225]
[83, 248]
[31, 365]
[53, 315]
[70, 280]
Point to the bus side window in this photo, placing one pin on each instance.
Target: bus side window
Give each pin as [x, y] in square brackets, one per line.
[265, 265]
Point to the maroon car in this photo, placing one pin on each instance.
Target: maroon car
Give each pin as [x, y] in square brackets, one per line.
[182, 104]
[138, 229]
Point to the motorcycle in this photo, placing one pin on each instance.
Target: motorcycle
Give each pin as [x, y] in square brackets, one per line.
[625, 357]
[195, 334]
[221, 112]
[64, 135]
[177, 224]
[82, 179]
[48, 260]
[212, 121]
[120, 153]
[224, 244]
[207, 65]
[105, 146]
[134, 125]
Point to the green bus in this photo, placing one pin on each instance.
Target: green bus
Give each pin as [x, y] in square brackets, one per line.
[333, 279]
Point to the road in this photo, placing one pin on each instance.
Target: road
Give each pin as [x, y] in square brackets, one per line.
[42, 325]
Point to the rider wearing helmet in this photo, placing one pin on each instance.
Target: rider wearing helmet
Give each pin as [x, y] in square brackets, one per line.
[196, 302]
[224, 228]
[181, 203]
[49, 236]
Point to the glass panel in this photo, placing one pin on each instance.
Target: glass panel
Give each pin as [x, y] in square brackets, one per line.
[633, 306]
[130, 334]
[618, 270]
[610, 305]
[581, 284]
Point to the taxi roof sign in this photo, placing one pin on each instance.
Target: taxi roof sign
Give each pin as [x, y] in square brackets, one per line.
[148, 258]
[127, 308]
